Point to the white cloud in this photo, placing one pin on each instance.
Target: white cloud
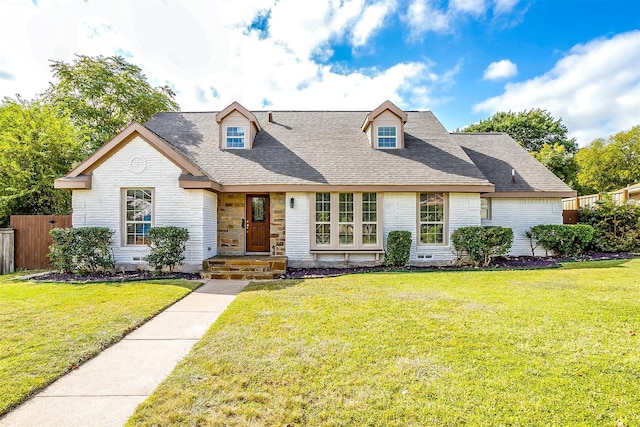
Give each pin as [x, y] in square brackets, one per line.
[372, 19]
[505, 6]
[423, 17]
[502, 69]
[594, 88]
[475, 7]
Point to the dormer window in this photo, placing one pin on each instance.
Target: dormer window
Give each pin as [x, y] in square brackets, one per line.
[384, 126]
[237, 126]
[387, 136]
[235, 136]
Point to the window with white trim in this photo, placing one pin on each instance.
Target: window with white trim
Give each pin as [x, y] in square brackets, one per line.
[138, 215]
[235, 136]
[387, 136]
[485, 208]
[323, 219]
[346, 220]
[432, 218]
[369, 219]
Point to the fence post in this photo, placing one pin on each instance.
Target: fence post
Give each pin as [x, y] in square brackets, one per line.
[6, 251]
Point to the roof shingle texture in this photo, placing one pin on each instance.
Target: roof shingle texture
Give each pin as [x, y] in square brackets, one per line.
[496, 154]
[320, 147]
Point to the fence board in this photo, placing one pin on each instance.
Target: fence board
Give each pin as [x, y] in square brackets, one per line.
[6, 251]
[32, 239]
[570, 216]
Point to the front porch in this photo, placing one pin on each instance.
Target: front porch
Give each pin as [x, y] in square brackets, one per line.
[249, 267]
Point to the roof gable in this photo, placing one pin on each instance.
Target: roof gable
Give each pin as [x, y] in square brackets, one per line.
[235, 106]
[386, 105]
[79, 177]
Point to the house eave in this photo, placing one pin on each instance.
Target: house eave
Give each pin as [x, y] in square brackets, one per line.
[529, 194]
[190, 183]
[80, 182]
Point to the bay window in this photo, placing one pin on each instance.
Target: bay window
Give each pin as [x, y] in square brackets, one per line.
[346, 221]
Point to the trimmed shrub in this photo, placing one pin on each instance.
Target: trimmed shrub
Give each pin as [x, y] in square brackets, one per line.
[562, 240]
[81, 250]
[479, 244]
[398, 248]
[617, 227]
[167, 246]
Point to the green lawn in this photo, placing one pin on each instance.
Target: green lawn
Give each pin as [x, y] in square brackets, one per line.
[557, 347]
[48, 328]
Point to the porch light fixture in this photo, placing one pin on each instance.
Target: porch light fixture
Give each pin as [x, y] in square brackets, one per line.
[292, 202]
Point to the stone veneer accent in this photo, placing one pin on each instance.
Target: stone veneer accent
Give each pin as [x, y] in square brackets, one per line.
[277, 227]
[231, 233]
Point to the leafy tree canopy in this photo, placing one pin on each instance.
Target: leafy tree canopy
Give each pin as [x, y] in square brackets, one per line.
[105, 94]
[37, 145]
[610, 164]
[557, 160]
[531, 128]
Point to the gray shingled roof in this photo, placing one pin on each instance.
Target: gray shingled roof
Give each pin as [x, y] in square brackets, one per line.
[320, 147]
[329, 147]
[496, 154]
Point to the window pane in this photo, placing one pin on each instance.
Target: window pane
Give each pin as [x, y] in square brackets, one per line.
[386, 136]
[346, 207]
[235, 136]
[346, 234]
[257, 209]
[369, 234]
[323, 234]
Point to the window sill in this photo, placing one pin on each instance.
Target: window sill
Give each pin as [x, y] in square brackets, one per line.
[346, 252]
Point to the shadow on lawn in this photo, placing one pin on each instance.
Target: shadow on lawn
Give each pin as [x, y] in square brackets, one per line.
[275, 285]
[579, 265]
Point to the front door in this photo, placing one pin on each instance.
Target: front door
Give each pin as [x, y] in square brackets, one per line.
[257, 215]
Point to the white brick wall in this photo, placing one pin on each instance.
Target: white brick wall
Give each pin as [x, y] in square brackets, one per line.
[522, 214]
[192, 209]
[297, 229]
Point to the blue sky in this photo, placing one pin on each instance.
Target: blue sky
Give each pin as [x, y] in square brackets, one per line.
[462, 59]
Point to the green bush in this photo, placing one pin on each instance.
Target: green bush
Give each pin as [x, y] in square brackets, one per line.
[479, 244]
[562, 240]
[617, 227]
[81, 250]
[167, 246]
[398, 248]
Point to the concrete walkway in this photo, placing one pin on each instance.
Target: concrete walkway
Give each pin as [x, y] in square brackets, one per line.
[106, 390]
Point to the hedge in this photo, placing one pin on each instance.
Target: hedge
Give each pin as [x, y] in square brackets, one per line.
[479, 244]
[562, 240]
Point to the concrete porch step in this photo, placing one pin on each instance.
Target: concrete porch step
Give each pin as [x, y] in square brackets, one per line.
[250, 267]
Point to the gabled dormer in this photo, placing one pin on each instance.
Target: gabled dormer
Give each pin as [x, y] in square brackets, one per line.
[385, 126]
[238, 127]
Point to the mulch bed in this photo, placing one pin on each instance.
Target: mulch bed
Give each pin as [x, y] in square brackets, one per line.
[502, 263]
[126, 276]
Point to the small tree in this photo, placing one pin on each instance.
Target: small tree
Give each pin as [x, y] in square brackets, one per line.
[167, 246]
[479, 244]
[398, 248]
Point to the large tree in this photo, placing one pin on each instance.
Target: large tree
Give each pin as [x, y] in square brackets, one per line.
[104, 94]
[531, 128]
[539, 133]
[37, 145]
[610, 164]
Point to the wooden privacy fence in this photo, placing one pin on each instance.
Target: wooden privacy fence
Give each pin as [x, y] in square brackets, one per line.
[6, 251]
[32, 239]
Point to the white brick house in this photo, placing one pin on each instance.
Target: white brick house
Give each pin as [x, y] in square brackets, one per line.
[321, 188]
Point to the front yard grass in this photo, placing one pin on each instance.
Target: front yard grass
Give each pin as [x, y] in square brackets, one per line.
[46, 329]
[528, 348]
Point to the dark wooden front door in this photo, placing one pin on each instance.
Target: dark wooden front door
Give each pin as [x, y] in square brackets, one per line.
[257, 215]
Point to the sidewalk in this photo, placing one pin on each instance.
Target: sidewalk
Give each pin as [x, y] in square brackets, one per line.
[106, 390]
